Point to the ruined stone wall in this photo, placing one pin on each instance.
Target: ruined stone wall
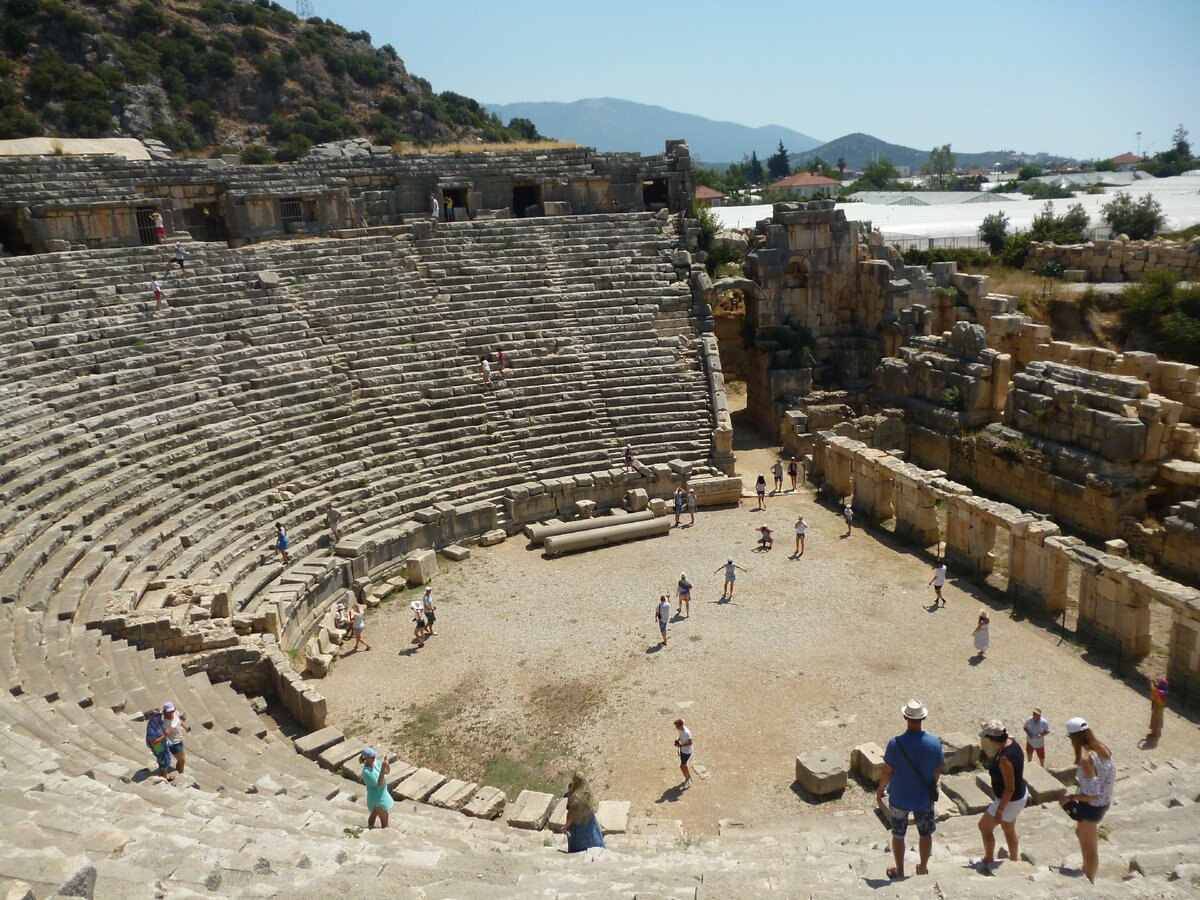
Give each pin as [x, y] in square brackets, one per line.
[92, 202]
[1018, 336]
[1115, 595]
[1119, 259]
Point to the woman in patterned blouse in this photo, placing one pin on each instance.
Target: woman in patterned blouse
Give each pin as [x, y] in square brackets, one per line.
[1097, 775]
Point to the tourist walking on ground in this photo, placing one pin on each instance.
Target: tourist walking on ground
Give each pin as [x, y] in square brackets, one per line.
[156, 291]
[374, 777]
[777, 474]
[1036, 729]
[434, 207]
[178, 258]
[1006, 766]
[174, 727]
[692, 503]
[420, 623]
[160, 227]
[793, 473]
[281, 542]
[912, 765]
[938, 581]
[485, 369]
[333, 520]
[157, 742]
[358, 622]
[1158, 703]
[980, 634]
[684, 591]
[686, 745]
[760, 490]
[731, 570]
[1096, 776]
[766, 537]
[583, 830]
[680, 498]
[662, 615]
[429, 609]
[848, 515]
[801, 531]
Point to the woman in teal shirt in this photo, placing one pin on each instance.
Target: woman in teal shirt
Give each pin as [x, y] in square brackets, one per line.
[379, 799]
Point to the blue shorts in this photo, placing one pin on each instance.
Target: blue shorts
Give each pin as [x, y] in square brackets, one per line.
[684, 758]
[175, 749]
[926, 822]
[662, 626]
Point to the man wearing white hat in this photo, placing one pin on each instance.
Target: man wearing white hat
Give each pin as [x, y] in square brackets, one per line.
[912, 765]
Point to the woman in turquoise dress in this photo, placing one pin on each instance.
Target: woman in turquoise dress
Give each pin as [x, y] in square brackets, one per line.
[583, 831]
[374, 776]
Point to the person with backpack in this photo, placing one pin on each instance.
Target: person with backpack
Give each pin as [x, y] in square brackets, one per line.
[912, 765]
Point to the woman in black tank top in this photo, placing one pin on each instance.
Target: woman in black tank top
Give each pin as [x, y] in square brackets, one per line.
[1006, 767]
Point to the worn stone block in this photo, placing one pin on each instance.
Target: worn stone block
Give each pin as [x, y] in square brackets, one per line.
[488, 803]
[961, 752]
[613, 816]
[530, 810]
[311, 745]
[455, 553]
[419, 785]
[867, 761]
[636, 500]
[493, 537]
[964, 790]
[454, 794]
[821, 773]
[1043, 786]
[421, 567]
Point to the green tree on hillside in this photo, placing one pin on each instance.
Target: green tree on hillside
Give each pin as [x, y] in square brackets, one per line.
[777, 163]
[940, 167]
[879, 175]
[841, 166]
[1176, 160]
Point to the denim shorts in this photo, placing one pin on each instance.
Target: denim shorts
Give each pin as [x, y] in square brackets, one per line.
[926, 823]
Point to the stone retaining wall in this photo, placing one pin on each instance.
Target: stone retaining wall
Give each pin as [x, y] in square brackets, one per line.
[1115, 594]
[1119, 259]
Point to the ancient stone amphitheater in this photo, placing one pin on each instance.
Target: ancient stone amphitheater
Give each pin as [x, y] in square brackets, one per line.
[324, 345]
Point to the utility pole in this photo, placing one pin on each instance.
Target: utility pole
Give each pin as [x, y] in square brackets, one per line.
[1139, 134]
[304, 9]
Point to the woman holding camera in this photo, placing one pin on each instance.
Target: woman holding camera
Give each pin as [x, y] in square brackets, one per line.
[1097, 775]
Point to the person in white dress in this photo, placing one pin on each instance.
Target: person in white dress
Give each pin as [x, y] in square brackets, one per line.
[980, 633]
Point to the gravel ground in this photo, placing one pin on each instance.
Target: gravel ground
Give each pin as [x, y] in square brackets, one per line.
[540, 665]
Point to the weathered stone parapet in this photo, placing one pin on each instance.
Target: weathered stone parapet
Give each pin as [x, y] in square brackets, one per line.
[1038, 566]
[1119, 259]
[722, 433]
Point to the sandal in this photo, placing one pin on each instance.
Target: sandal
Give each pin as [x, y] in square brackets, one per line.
[894, 874]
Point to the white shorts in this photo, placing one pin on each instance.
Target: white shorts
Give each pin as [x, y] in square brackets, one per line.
[1011, 811]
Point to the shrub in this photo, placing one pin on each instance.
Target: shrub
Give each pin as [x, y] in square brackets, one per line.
[1152, 297]
[256, 155]
[1170, 312]
[1141, 220]
[1051, 268]
[952, 398]
[145, 18]
[723, 258]
[994, 230]
[967, 259]
[296, 146]
[1015, 249]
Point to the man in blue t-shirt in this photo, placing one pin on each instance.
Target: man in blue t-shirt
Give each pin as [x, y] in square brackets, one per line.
[912, 765]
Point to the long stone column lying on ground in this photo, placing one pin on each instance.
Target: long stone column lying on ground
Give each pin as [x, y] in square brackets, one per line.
[604, 537]
[538, 533]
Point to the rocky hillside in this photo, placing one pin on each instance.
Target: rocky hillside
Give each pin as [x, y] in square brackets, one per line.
[203, 75]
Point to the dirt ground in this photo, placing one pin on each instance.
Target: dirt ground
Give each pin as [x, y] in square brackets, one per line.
[543, 665]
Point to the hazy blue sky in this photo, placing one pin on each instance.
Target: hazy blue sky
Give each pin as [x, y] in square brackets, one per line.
[1077, 78]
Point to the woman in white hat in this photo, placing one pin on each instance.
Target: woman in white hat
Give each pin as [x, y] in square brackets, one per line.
[1096, 776]
[1006, 766]
[980, 634]
[420, 623]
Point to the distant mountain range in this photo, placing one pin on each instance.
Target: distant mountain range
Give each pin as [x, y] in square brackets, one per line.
[615, 125]
[860, 149]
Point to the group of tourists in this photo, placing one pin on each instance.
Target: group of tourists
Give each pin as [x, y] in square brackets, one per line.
[913, 765]
[165, 728]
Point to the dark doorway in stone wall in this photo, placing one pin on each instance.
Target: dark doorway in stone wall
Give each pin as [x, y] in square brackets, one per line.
[145, 226]
[203, 223]
[656, 194]
[527, 200]
[459, 196]
[12, 237]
